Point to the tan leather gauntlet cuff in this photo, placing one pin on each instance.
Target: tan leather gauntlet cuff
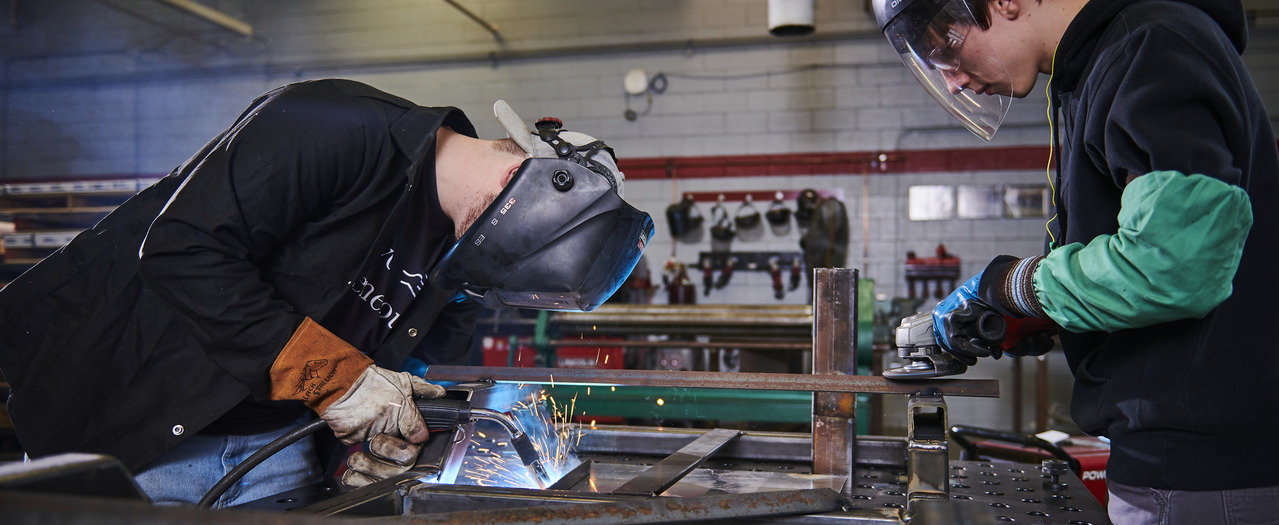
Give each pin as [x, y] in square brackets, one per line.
[315, 367]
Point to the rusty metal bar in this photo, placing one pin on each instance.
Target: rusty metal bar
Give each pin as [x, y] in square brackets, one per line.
[674, 467]
[835, 356]
[742, 380]
[741, 345]
[635, 510]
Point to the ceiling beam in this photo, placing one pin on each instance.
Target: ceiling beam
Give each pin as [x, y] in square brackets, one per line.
[212, 15]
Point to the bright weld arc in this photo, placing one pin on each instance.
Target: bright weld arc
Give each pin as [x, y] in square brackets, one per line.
[554, 439]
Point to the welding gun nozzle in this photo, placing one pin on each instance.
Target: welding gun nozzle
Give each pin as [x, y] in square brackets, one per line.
[524, 447]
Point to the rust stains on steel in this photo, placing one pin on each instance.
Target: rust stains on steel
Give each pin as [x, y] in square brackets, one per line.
[736, 380]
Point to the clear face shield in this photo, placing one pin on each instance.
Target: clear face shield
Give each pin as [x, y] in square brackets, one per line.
[941, 43]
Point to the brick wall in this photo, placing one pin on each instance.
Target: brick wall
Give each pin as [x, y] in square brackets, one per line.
[134, 86]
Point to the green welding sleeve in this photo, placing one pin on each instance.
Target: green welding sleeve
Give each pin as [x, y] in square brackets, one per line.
[1179, 242]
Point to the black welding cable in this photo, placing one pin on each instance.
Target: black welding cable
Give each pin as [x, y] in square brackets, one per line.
[258, 457]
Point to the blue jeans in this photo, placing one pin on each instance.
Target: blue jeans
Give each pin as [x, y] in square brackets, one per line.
[1145, 506]
[185, 474]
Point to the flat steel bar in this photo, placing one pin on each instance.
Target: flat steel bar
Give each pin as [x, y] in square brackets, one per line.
[767, 446]
[571, 478]
[674, 467]
[684, 344]
[742, 380]
[644, 510]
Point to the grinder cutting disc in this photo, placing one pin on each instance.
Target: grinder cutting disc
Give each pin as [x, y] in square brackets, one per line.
[914, 370]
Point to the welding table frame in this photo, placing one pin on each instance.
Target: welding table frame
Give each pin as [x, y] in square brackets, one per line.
[833, 447]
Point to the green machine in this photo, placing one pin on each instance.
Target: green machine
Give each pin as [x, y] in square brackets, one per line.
[728, 326]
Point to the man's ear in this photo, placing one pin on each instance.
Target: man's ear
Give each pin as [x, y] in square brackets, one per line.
[1008, 9]
[510, 173]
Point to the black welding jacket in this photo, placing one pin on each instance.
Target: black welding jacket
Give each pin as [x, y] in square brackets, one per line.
[268, 224]
[1154, 85]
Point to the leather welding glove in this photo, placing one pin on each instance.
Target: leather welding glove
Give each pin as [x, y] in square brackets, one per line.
[387, 456]
[358, 399]
[381, 402]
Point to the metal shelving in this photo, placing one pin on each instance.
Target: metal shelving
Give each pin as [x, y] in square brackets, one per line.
[46, 216]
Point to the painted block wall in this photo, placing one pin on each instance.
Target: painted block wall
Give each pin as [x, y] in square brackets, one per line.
[134, 87]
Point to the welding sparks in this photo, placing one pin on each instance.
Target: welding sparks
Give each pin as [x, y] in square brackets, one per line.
[660, 402]
[550, 429]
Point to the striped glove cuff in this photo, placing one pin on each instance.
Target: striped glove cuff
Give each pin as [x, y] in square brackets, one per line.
[1016, 291]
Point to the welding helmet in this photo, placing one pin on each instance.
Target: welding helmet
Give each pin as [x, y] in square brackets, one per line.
[559, 236]
[685, 220]
[778, 216]
[722, 229]
[929, 35]
[805, 202]
[748, 222]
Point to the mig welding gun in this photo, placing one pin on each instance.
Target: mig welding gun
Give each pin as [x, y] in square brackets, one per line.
[439, 415]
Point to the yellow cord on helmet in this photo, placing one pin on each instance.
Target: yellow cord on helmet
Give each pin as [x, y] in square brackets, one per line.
[1051, 145]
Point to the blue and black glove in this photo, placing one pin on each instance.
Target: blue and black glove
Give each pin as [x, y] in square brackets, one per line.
[968, 327]
[994, 313]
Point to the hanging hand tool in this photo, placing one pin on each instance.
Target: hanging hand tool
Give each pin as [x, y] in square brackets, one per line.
[796, 271]
[708, 276]
[726, 274]
[775, 270]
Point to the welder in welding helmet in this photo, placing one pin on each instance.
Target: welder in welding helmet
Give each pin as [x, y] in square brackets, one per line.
[944, 45]
[559, 236]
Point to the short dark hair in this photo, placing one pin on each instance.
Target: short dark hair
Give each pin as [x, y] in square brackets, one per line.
[508, 145]
[981, 13]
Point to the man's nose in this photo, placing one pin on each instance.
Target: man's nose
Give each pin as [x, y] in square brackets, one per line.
[955, 81]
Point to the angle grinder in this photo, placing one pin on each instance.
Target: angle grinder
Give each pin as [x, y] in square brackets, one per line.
[924, 356]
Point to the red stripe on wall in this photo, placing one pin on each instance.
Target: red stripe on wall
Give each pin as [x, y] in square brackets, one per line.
[902, 161]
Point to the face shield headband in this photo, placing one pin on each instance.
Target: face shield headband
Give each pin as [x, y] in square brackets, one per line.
[558, 237]
[931, 37]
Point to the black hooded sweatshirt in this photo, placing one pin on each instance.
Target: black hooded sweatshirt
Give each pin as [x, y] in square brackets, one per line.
[1151, 85]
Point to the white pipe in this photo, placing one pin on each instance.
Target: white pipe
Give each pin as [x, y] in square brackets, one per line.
[790, 17]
